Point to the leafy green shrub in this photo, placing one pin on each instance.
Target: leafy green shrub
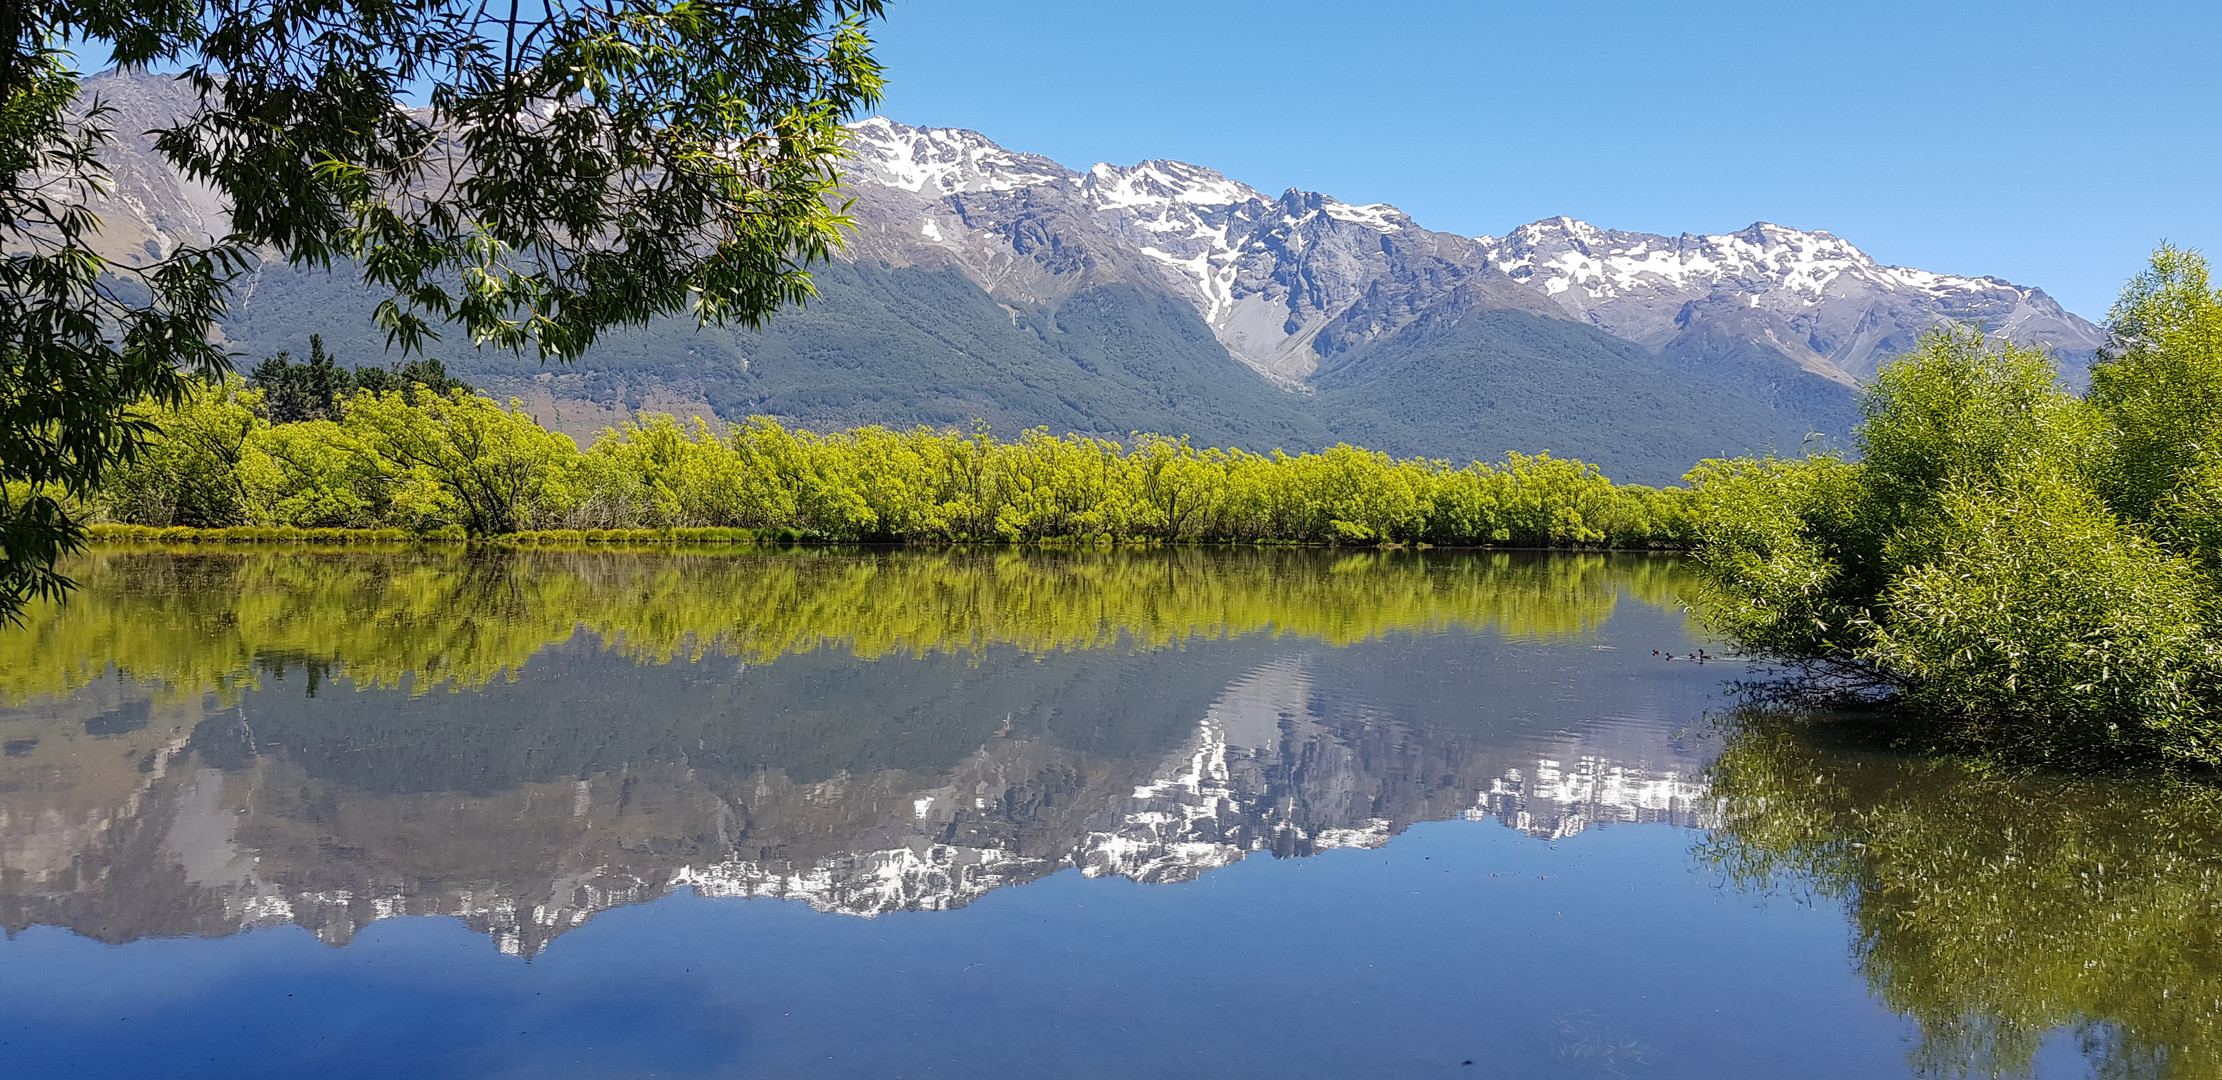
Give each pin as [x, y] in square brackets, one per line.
[464, 461]
[189, 471]
[2025, 569]
[2160, 384]
[1787, 543]
[2043, 626]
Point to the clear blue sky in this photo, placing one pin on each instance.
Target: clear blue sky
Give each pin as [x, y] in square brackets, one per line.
[2050, 144]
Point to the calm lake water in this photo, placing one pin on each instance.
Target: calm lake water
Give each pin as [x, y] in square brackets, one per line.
[898, 814]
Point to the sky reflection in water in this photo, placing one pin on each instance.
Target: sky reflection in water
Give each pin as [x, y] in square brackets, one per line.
[1058, 784]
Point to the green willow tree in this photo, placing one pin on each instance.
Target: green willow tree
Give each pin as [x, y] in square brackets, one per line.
[572, 168]
[2029, 572]
[459, 464]
[2160, 389]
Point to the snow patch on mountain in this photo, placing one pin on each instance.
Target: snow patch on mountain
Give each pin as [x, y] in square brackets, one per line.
[941, 161]
[1820, 300]
[1380, 217]
[1807, 296]
[1562, 252]
[1157, 186]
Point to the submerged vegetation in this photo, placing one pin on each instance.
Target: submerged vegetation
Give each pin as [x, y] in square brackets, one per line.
[291, 451]
[2028, 573]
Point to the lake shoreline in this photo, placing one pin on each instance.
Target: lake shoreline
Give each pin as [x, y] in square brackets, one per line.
[110, 534]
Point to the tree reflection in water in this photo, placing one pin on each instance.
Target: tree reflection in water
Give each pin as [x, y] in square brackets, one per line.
[201, 620]
[1994, 910]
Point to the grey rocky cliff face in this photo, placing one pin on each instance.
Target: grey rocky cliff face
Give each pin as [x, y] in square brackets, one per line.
[1266, 274]
[147, 209]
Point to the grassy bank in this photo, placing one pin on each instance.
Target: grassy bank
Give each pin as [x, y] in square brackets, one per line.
[685, 537]
[451, 534]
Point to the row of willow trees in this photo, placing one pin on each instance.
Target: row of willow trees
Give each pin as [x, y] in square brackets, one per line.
[421, 460]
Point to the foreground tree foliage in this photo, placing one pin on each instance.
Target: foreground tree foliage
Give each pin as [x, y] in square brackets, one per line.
[574, 167]
[2031, 573]
[423, 461]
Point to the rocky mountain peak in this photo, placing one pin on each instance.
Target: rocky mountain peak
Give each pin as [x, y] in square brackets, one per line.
[1265, 273]
[1561, 253]
[1824, 302]
[936, 162]
[1270, 275]
[1162, 184]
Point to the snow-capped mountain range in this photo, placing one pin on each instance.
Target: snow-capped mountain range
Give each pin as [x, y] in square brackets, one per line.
[985, 283]
[1269, 274]
[1836, 311]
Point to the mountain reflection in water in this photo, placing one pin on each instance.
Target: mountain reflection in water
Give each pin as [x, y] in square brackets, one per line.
[523, 740]
[204, 742]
